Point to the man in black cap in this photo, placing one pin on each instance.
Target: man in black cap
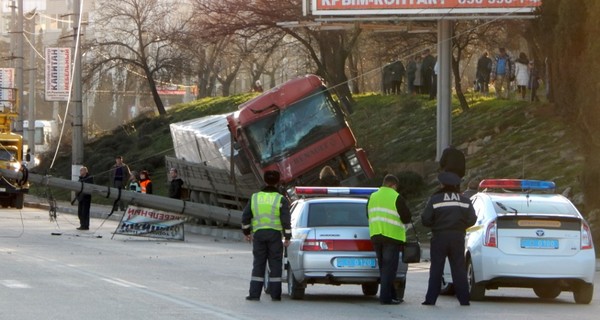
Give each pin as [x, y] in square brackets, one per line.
[453, 160]
[448, 214]
[264, 219]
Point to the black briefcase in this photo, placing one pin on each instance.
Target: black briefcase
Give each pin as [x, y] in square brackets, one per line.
[411, 252]
[412, 249]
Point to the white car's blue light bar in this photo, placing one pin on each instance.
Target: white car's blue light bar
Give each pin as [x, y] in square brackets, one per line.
[335, 191]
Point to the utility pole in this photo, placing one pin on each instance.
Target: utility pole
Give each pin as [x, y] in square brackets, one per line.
[19, 57]
[77, 149]
[32, 71]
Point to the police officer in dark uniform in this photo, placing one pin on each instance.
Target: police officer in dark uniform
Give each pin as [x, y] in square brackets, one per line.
[453, 160]
[264, 219]
[448, 214]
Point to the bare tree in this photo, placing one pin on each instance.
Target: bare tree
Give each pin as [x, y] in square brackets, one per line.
[140, 36]
[329, 49]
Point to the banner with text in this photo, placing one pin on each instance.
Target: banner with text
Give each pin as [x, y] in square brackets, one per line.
[7, 88]
[145, 222]
[412, 7]
[58, 74]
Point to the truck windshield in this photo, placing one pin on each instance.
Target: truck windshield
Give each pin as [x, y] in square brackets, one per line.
[7, 155]
[287, 131]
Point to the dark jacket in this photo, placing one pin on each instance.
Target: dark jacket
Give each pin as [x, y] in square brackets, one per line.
[85, 197]
[284, 215]
[175, 188]
[448, 210]
[484, 69]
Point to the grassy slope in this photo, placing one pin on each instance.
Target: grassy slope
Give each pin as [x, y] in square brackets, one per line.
[514, 139]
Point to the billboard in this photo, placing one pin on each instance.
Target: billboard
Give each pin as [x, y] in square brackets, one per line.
[418, 7]
[7, 88]
[58, 74]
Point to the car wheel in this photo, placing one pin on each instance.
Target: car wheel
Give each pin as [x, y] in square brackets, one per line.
[547, 292]
[370, 289]
[447, 288]
[295, 288]
[583, 293]
[476, 290]
[400, 286]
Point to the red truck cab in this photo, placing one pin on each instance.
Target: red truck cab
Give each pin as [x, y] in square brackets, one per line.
[297, 128]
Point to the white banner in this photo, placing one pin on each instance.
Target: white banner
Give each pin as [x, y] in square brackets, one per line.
[7, 85]
[419, 7]
[58, 74]
[140, 221]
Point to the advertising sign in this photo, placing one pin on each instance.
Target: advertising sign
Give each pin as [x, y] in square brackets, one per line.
[145, 222]
[7, 85]
[415, 7]
[58, 74]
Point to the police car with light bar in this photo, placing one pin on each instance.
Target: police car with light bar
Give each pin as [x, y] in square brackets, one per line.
[330, 242]
[527, 236]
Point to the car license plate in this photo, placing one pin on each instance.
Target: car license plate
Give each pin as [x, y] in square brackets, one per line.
[539, 243]
[2, 189]
[368, 263]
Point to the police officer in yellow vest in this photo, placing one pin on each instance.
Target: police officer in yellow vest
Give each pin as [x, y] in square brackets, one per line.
[387, 214]
[264, 219]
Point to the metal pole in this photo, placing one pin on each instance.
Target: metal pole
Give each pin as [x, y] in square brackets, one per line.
[194, 209]
[19, 57]
[32, 69]
[77, 151]
[444, 86]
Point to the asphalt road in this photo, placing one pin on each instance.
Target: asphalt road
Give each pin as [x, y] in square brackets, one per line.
[52, 271]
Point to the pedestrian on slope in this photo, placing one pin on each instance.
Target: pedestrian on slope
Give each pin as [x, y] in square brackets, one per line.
[448, 214]
[502, 73]
[145, 182]
[175, 186]
[264, 219]
[522, 75]
[84, 200]
[119, 176]
[134, 184]
[484, 69]
[387, 212]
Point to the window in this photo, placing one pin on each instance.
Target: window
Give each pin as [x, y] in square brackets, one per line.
[289, 130]
[338, 215]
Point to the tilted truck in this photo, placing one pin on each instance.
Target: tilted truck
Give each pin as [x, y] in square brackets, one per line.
[296, 128]
[12, 190]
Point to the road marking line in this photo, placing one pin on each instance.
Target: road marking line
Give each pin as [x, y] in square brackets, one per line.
[123, 283]
[14, 284]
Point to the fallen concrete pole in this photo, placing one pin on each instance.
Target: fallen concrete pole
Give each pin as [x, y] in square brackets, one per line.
[193, 209]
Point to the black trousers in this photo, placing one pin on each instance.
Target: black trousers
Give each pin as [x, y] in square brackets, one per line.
[388, 254]
[449, 244]
[83, 211]
[266, 247]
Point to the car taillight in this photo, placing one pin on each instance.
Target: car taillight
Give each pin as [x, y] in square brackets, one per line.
[337, 245]
[491, 236]
[586, 237]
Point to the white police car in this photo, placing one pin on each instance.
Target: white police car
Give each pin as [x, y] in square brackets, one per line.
[331, 244]
[526, 238]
